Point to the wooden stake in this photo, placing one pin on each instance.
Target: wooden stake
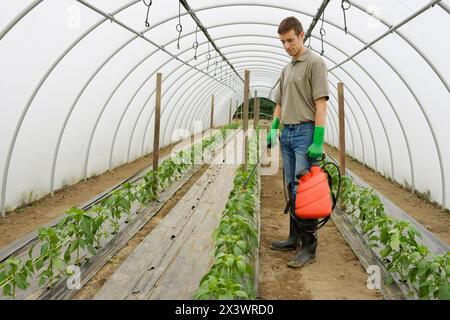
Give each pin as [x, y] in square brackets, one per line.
[237, 113]
[341, 128]
[257, 105]
[246, 95]
[212, 112]
[231, 105]
[157, 122]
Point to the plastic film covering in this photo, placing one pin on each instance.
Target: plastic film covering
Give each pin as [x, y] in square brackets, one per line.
[78, 79]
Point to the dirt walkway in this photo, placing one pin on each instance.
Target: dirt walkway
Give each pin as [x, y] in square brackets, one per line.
[336, 274]
[427, 214]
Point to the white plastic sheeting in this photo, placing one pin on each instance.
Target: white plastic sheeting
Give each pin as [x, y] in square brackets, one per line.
[77, 88]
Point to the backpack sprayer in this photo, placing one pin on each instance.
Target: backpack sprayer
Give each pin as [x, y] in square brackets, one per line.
[314, 199]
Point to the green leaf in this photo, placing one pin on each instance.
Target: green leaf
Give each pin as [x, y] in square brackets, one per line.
[30, 251]
[44, 249]
[237, 251]
[39, 263]
[202, 291]
[385, 252]
[241, 294]
[241, 267]
[86, 226]
[395, 241]
[57, 265]
[21, 281]
[444, 291]
[42, 280]
[389, 280]
[29, 266]
[226, 296]
[7, 290]
[67, 255]
[74, 245]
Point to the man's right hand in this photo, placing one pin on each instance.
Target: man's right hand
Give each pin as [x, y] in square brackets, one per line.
[272, 135]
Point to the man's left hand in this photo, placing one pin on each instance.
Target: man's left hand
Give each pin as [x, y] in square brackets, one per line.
[315, 150]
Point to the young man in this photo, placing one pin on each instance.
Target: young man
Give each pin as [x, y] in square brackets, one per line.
[301, 103]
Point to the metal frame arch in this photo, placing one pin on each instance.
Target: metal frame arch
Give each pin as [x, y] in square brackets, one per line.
[169, 117]
[33, 95]
[444, 7]
[221, 95]
[435, 142]
[364, 10]
[136, 92]
[408, 41]
[197, 94]
[19, 17]
[203, 99]
[125, 44]
[188, 118]
[187, 87]
[91, 138]
[88, 82]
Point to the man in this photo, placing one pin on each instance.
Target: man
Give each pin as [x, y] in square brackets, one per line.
[301, 103]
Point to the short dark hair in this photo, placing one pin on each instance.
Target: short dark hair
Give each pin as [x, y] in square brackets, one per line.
[288, 24]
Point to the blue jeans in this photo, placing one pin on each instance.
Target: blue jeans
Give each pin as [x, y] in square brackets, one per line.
[295, 140]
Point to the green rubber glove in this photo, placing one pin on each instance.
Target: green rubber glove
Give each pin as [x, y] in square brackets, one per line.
[271, 136]
[315, 150]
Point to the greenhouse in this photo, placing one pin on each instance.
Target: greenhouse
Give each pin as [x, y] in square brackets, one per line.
[224, 150]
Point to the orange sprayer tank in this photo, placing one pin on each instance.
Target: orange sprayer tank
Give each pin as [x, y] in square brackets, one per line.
[313, 199]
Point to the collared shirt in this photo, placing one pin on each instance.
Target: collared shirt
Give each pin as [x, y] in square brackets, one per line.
[302, 81]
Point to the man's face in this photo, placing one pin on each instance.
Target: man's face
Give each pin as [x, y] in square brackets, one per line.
[291, 42]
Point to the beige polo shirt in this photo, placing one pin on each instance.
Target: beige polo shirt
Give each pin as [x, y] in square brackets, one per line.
[302, 81]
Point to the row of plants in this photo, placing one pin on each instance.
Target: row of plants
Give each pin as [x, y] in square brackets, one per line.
[82, 233]
[425, 275]
[236, 239]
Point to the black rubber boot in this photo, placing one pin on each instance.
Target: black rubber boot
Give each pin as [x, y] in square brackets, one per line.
[307, 254]
[293, 241]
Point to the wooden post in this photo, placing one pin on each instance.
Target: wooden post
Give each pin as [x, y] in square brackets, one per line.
[341, 128]
[254, 109]
[256, 115]
[231, 106]
[157, 122]
[246, 95]
[212, 112]
[237, 113]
